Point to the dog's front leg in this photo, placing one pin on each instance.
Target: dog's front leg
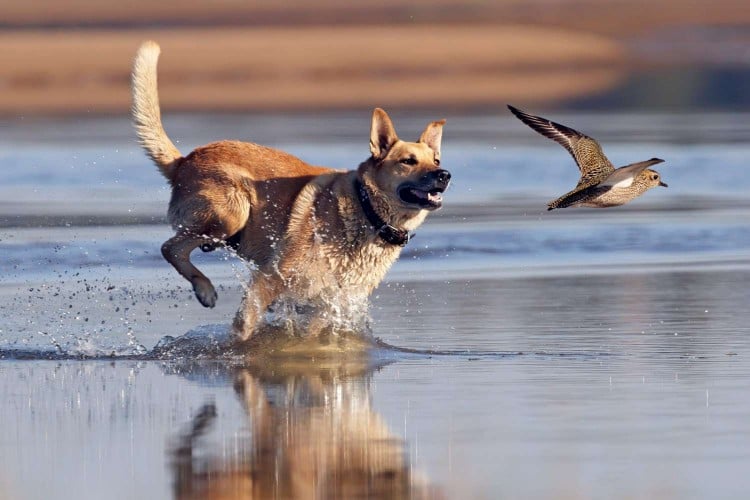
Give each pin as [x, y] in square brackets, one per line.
[258, 296]
[177, 252]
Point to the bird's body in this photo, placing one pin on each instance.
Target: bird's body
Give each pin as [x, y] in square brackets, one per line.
[610, 193]
[601, 185]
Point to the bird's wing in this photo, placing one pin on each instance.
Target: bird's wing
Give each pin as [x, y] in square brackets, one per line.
[623, 176]
[577, 195]
[586, 152]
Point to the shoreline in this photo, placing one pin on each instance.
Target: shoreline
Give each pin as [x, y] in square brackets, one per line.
[306, 68]
[74, 59]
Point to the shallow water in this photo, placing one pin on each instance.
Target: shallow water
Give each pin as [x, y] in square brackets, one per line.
[571, 354]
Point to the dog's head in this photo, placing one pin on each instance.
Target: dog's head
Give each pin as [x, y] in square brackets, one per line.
[407, 175]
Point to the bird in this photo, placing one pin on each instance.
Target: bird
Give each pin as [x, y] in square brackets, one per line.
[601, 185]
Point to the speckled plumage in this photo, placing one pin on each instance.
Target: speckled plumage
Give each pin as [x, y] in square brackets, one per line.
[600, 184]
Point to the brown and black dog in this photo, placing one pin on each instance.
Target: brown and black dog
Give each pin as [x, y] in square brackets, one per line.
[313, 232]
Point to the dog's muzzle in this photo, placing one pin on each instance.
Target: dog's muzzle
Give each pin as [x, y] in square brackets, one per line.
[428, 192]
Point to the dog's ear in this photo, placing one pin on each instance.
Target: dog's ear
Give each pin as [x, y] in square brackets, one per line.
[382, 134]
[433, 136]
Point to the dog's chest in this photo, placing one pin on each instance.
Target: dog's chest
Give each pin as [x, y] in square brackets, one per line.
[360, 264]
[331, 245]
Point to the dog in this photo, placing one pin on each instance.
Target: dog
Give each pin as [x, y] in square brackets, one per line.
[313, 233]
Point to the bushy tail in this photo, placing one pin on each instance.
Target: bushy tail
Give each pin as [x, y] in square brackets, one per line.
[146, 113]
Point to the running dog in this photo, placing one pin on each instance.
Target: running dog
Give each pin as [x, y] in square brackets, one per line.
[312, 232]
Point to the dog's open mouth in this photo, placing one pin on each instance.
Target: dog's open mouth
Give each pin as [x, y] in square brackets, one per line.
[429, 199]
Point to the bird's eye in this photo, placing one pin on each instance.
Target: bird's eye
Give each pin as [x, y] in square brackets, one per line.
[409, 161]
[654, 177]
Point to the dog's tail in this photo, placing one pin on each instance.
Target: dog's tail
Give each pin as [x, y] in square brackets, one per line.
[146, 113]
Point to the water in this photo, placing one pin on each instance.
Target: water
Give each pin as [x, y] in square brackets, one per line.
[570, 354]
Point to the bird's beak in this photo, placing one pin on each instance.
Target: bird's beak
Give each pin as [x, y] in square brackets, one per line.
[663, 184]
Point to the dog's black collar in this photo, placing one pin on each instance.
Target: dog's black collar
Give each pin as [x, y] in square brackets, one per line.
[387, 233]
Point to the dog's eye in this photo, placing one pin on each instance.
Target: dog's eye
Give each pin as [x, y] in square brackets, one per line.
[409, 161]
[437, 162]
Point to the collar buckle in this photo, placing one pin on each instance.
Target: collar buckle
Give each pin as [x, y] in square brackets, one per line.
[394, 236]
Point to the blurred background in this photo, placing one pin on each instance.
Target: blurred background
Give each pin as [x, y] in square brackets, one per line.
[74, 57]
[600, 332]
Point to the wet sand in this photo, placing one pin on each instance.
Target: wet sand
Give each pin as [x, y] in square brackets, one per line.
[309, 68]
[225, 56]
[619, 19]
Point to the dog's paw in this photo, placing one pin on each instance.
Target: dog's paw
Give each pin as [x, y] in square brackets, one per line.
[205, 292]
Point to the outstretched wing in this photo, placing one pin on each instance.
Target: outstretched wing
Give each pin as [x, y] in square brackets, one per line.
[623, 176]
[586, 152]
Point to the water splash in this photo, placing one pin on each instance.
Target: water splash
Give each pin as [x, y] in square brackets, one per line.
[324, 327]
[335, 313]
[84, 314]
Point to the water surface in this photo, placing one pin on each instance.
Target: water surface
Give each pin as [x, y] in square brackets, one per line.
[570, 354]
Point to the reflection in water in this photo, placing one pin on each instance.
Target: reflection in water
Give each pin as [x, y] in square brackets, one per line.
[313, 434]
[271, 341]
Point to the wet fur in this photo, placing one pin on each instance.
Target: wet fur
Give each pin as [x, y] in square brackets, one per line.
[301, 225]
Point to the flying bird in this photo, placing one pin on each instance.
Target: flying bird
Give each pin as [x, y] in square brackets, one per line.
[601, 185]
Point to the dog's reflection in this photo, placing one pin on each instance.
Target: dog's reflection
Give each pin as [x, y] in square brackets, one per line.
[313, 434]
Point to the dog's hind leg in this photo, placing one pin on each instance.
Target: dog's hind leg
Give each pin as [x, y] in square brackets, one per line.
[232, 242]
[177, 252]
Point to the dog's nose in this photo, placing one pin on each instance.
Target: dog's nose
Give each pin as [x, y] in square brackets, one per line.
[443, 176]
